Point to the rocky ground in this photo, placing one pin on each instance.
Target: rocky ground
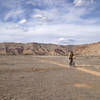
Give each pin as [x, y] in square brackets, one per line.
[48, 78]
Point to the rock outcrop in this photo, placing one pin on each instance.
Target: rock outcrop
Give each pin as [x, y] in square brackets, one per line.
[47, 49]
[90, 49]
[31, 49]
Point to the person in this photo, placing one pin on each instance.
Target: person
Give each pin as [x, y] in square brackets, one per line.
[71, 55]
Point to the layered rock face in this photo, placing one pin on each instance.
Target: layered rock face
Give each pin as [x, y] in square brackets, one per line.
[90, 49]
[47, 49]
[11, 48]
[32, 49]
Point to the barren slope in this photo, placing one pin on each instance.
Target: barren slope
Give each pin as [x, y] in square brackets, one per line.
[48, 49]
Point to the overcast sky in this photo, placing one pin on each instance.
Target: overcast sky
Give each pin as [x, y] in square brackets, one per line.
[50, 21]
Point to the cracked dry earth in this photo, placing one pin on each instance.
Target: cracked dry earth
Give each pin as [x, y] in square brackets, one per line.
[37, 78]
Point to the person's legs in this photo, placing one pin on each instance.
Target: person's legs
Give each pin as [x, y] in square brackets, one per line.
[71, 61]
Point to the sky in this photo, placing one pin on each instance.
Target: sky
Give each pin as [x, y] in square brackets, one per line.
[64, 22]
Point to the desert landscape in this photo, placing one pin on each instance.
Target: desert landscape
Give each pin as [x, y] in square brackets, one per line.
[46, 75]
[49, 49]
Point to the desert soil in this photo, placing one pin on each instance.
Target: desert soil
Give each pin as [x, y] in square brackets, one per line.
[48, 78]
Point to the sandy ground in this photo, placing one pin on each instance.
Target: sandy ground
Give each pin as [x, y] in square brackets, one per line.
[48, 78]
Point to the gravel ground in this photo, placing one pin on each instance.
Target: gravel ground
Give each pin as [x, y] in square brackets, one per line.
[36, 78]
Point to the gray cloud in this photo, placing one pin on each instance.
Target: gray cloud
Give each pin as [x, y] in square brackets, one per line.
[60, 24]
[83, 2]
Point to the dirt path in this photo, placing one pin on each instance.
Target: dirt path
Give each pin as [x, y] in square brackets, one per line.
[76, 68]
